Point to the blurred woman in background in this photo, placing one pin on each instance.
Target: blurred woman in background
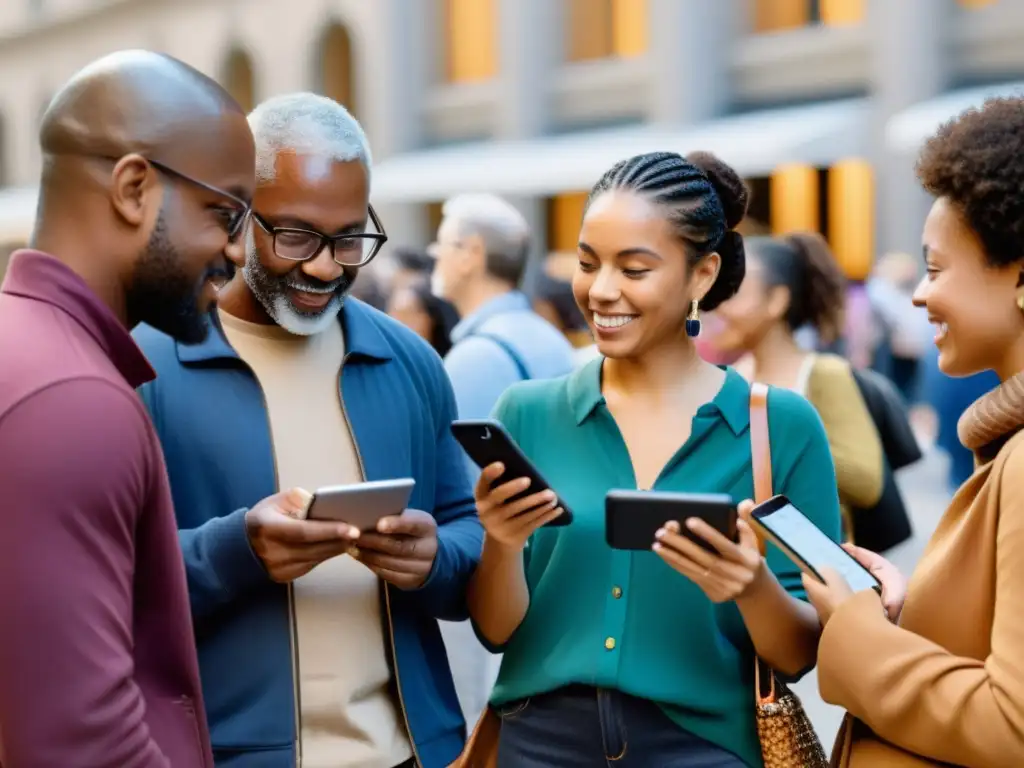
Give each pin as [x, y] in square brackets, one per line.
[413, 305]
[793, 282]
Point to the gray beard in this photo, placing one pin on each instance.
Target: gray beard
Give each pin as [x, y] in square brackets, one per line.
[271, 291]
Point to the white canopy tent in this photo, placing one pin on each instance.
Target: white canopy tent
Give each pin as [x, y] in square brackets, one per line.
[754, 143]
[907, 131]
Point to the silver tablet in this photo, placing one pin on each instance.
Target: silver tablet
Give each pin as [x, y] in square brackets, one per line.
[361, 505]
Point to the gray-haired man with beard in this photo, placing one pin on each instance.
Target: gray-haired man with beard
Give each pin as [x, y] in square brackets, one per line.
[318, 645]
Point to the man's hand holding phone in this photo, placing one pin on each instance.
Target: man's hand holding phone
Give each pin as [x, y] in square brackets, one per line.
[510, 523]
[402, 549]
[288, 545]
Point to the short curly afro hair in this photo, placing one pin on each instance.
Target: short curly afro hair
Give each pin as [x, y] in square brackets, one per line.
[976, 161]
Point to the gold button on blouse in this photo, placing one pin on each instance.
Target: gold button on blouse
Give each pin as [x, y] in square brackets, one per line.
[616, 592]
[610, 643]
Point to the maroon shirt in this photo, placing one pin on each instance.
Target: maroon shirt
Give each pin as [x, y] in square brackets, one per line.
[97, 658]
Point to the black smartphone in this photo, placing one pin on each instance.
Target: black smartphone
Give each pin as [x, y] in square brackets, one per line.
[807, 545]
[631, 518]
[486, 442]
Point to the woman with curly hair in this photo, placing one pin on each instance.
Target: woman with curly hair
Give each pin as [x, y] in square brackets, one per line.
[793, 282]
[933, 673]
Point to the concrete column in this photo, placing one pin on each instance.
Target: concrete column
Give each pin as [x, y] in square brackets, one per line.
[909, 64]
[530, 34]
[690, 46]
[396, 66]
[529, 39]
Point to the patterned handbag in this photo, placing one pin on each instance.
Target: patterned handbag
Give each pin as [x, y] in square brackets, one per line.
[788, 739]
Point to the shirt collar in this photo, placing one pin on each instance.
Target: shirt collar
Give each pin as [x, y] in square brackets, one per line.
[41, 277]
[363, 337]
[731, 404]
[513, 301]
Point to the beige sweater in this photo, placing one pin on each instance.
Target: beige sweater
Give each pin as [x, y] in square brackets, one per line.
[946, 686]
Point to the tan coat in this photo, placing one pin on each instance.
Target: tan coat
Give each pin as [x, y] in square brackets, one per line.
[947, 685]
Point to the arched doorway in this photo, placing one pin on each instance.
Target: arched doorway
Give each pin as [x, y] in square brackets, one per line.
[336, 78]
[238, 79]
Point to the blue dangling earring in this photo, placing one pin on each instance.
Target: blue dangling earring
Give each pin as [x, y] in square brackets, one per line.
[693, 321]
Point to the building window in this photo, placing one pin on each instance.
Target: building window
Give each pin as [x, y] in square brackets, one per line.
[839, 13]
[238, 80]
[601, 29]
[435, 213]
[851, 216]
[471, 40]
[795, 196]
[779, 15]
[629, 28]
[838, 202]
[336, 78]
[565, 215]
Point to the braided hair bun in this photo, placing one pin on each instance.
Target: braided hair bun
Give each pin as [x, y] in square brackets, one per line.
[733, 194]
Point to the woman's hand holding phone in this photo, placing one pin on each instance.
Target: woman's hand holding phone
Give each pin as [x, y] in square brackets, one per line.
[731, 573]
[828, 597]
[510, 523]
[894, 585]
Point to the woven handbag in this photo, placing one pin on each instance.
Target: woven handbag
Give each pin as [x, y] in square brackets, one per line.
[788, 739]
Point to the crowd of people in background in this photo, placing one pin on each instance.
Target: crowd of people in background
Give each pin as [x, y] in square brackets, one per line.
[210, 324]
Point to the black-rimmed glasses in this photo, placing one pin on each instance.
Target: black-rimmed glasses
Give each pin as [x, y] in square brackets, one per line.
[347, 249]
[235, 218]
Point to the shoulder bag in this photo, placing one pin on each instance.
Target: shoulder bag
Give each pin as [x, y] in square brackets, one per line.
[788, 740]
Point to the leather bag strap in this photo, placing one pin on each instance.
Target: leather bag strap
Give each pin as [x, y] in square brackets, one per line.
[761, 458]
[760, 447]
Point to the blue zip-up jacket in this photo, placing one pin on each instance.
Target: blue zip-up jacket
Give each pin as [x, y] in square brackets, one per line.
[209, 412]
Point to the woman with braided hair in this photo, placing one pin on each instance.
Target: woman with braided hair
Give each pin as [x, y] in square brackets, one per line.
[645, 658]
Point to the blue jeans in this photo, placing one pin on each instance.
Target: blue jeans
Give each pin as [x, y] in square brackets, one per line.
[583, 727]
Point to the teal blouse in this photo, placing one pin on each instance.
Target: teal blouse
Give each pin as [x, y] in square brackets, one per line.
[626, 620]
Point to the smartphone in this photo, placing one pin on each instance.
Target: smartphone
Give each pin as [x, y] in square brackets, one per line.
[806, 545]
[631, 518]
[487, 441]
[361, 505]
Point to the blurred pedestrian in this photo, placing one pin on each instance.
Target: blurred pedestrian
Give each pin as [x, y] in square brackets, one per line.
[415, 306]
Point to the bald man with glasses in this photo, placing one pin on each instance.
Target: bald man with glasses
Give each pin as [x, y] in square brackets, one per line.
[148, 173]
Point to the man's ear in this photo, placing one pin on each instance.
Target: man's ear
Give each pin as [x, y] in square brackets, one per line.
[133, 189]
[475, 252]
